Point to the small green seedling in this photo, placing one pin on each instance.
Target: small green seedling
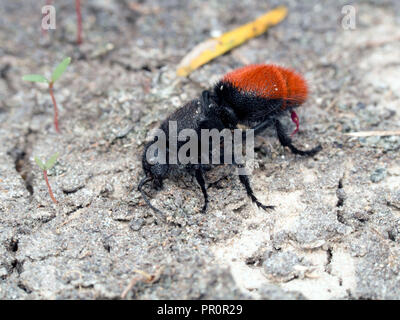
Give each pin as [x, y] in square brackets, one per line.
[47, 166]
[58, 71]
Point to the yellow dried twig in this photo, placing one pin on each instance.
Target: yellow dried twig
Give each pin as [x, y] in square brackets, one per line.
[373, 133]
[212, 48]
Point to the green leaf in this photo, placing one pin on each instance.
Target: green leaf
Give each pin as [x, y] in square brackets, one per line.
[40, 163]
[34, 78]
[59, 70]
[50, 163]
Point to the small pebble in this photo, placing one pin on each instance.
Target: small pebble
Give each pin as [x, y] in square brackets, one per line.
[378, 175]
[136, 224]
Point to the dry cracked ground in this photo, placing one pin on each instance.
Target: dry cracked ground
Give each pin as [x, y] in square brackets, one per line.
[335, 232]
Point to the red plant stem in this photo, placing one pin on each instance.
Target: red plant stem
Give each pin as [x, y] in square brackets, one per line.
[48, 186]
[55, 107]
[79, 20]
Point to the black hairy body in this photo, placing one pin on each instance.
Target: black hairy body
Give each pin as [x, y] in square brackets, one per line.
[222, 108]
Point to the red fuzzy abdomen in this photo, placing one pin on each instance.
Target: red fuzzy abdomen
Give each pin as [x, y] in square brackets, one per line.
[271, 82]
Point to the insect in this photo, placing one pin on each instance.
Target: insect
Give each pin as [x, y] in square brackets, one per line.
[255, 96]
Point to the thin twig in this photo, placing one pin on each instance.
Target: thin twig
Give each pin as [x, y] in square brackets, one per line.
[373, 133]
[148, 278]
[130, 286]
[381, 42]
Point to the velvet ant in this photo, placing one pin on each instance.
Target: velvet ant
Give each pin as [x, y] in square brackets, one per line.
[255, 96]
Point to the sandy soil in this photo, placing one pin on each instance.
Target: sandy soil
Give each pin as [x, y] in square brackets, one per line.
[335, 231]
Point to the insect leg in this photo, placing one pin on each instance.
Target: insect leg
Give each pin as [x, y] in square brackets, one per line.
[259, 128]
[262, 126]
[200, 180]
[244, 179]
[144, 181]
[286, 141]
